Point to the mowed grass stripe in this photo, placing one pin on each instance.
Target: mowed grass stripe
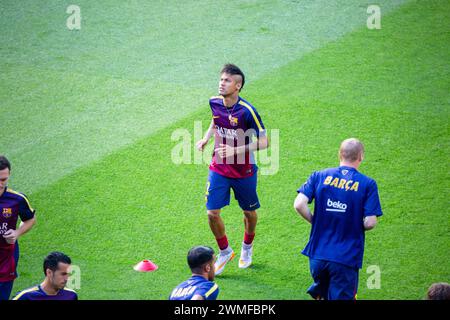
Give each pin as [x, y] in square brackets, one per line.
[84, 118]
[72, 97]
[168, 40]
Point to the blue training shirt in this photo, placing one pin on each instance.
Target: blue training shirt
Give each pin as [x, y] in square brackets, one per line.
[193, 286]
[343, 197]
[36, 293]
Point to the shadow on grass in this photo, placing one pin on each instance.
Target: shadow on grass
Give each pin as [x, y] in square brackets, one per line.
[237, 273]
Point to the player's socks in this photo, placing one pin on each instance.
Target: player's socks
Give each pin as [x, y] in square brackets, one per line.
[248, 238]
[222, 242]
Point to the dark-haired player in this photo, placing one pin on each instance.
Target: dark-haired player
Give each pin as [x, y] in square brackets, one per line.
[235, 122]
[13, 205]
[200, 285]
[56, 270]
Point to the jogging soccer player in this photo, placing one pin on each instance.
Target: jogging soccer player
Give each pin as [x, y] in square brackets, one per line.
[200, 285]
[235, 122]
[346, 205]
[12, 206]
[56, 270]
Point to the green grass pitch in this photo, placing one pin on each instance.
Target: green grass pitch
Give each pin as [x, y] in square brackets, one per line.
[87, 117]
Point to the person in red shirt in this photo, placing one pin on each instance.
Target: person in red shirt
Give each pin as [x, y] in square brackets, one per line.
[13, 205]
[235, 122]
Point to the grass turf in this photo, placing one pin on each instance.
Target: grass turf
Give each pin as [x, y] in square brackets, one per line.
[388, 87]
[120, 76]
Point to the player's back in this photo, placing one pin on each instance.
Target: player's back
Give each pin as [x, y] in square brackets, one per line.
[343, 196]
[196, 285]
[341, 190]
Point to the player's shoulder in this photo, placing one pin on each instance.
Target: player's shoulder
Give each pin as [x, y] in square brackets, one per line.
[327, 172]
[15, 194]
[20, 198]
[251, 114]
[211, 289]
[216, 99]
[207, 289]
[71, 294]
[247, 105]
[368, 180]
[25, 293]
[211, 285]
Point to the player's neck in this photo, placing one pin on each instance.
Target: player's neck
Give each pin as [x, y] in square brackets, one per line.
[48, 289]
[350, 164]
[231, 100]
[200, 275]
[2, 191]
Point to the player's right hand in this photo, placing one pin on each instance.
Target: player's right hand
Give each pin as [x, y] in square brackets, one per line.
[201, 144]
[10, 236]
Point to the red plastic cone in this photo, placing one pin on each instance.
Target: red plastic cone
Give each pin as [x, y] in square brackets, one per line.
[145, 266]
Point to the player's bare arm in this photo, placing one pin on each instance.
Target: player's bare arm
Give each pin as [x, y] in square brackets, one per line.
[12, 235]
[370, 222]
[301, 206]
[203, 142]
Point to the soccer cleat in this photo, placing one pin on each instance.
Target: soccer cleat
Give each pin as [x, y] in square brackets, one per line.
[222, 260]
[246, 256]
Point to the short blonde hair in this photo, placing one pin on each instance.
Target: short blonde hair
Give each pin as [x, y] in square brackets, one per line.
[351, 150]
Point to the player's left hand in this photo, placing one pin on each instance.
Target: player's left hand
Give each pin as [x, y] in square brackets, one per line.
[224, 150]
[10, 236]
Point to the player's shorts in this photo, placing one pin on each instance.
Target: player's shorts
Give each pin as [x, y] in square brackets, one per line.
[5, 289]
[332, 280]
[218, 191]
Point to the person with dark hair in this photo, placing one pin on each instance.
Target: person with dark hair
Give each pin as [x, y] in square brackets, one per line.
[346, 205]
[13, 205]
[200, 285]
[234, 125]
[439, 291]
[56, 271]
